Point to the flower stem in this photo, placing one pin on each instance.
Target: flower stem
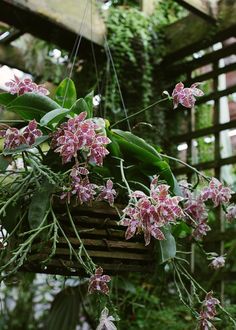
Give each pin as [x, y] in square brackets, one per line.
[91, 263]
[123, 176]
[187, 165]
[140, 111]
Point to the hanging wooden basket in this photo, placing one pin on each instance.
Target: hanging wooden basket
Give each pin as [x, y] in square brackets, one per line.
[104, 240]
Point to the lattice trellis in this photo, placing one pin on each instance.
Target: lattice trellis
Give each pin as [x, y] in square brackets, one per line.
[209, 65]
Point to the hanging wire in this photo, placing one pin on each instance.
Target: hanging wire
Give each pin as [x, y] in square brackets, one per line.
[93, 51]
[74, 55]
[75, 51]
[109, 56]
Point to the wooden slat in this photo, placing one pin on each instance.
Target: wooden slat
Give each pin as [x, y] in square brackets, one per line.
[56, 21]
[204, 131]
[103, 239]
[86, 221]
[192, 33]
[206, 165]
[182, 38]
[109, 232]
[216, 95]
[211, 74]
[96, 208]
[202, 8]
[194, 64]
[70, 268]
[104, 243]
[100, 243]
[217, 235]
[148, 6]
[12, 57]
[216, 121]
[13, 35]
[201, 77]
[123, 255]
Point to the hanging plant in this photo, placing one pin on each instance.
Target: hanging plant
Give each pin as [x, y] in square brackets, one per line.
[61, 161]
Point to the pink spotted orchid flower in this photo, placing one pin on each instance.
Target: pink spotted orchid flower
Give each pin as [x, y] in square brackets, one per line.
[107, 193]
[14, 138]
[231, 213]
[106, 321]
[98, 282]
[148, 214]
[185, 96]
[25, 85]
[80, 134]
[218, 262]
[208, 312]
[216, 192]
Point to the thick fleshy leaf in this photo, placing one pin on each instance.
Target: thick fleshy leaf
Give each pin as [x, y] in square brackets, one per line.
[10, 220]
[150, 162]
[64, 313]
[113, 147]
[54, 117]
[182, 230]
[25, 147]
[124, 284]
[79, 106]
[32, 106]
[167, 246]
[6, 98]
[176, 189]
[136, 140]
[39, 204]
[3, 163]
[65, 94]
[89, 100]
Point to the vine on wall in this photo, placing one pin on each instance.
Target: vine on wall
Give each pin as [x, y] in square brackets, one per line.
[136, 44]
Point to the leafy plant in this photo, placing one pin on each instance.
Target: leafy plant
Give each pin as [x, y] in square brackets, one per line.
[66, 153]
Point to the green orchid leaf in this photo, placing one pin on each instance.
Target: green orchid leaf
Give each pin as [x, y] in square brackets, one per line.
[181, 230]
[65, 94]
[6, 98]
[10, 220]
[40, 204]
[113, 147]
[32, 106]
[133, 150]
[139, 152]
[176, 189]
[145, 156]
[167, 247]
[54, 117]
[79, 106]
[64, 312]
[25, 147]
[89, 100]
[4, 163]
[141, 143]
